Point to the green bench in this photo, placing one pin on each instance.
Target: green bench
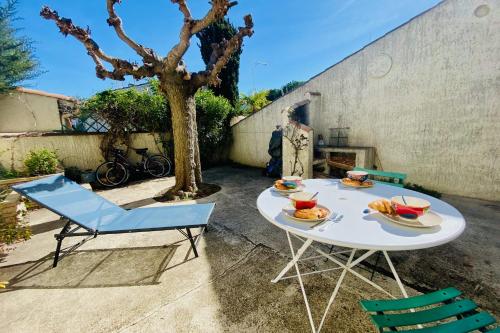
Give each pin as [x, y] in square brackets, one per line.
[449, 306]
[395, 177]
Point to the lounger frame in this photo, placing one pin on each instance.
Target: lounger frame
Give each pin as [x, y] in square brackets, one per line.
[66, 231]
[71, 229]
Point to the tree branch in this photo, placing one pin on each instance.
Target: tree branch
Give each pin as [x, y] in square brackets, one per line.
[115, 21]
[221, 54]
[121, 67]
[183, 8]
[219, 10]
[191, 26]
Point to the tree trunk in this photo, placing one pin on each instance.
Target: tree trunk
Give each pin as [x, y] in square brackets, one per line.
[197, 170]
[186, 150]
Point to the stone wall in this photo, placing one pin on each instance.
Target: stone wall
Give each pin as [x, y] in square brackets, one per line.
[78, 150]
[10, 208]
[425, 96]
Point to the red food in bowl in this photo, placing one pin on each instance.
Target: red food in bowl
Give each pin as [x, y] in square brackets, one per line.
[407, 211]
[401, 209]
[418, 205]
[301, 200]
[304, 204]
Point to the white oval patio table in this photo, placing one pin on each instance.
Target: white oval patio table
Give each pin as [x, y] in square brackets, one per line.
[350, 227]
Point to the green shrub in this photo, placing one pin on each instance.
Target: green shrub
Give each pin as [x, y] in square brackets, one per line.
[8, 174]
[126, 111]
[213, 114]
[41, 162]
[10, 233]
[130, 110]
[421, 189]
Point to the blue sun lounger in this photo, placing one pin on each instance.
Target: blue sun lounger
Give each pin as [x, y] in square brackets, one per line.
[83, 209]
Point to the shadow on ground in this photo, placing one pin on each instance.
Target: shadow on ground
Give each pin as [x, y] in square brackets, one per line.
[260, 305]
[92, 269]
[117, 287]
[467, 263]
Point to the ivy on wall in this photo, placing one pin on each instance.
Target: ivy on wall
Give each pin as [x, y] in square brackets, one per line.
[125, 111]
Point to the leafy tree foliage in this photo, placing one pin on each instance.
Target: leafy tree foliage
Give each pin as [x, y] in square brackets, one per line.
[216, 33]
[130, 110]
[17, 62]
[213, 114]
[126, 111]
[274, 94]
[251, 103]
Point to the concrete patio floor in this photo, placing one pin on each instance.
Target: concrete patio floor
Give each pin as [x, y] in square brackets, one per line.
[150, 282]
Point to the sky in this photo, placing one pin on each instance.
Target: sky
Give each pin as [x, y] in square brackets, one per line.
[293, 39]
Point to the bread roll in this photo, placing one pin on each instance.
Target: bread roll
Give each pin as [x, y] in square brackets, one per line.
[383, 206]
[311, 213]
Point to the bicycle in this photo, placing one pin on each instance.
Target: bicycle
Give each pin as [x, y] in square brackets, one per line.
[117, 172]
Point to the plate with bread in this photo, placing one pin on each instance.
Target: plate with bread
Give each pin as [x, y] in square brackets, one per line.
[304, 208]
[408, 211]
[286, 187]
[357, 179]
[316, 214]
[356, 183]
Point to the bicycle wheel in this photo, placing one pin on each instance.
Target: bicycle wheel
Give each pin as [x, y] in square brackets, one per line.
[118, 174]
[111, 174]
[164, 161]
[155, 168]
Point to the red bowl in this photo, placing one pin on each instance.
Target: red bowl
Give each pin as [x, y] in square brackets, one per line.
[304, 204]
[418, 205]
[300, 200]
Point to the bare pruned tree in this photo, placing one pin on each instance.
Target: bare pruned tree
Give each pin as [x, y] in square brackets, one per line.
[176, 82]
[299, 142]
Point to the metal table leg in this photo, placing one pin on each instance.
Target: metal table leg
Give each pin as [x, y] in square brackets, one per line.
[295, 257]
[347, 267]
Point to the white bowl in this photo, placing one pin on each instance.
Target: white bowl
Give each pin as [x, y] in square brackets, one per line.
[293, 179]
[420, 205]
[357, 175]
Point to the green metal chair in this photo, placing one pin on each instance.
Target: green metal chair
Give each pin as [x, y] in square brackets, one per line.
[396, 178]
[446, 306]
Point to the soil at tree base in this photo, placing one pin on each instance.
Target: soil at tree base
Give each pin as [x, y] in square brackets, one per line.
[204, 190]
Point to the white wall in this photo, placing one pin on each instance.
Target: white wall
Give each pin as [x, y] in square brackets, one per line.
[81, 151]
[27, 112]
[426, 96]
